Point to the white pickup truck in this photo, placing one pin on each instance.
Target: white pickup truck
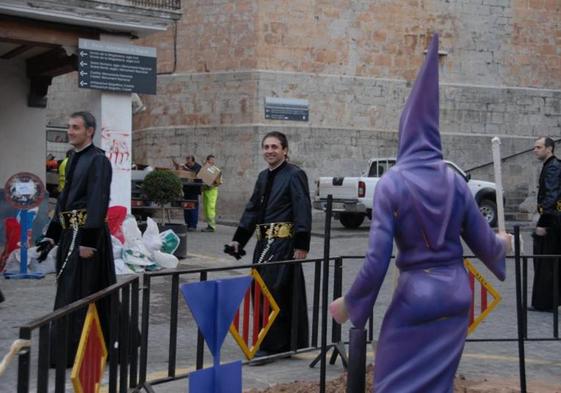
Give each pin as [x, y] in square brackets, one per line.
[353, 196]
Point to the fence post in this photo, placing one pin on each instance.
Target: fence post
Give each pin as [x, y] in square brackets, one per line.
[555, 297]
[525, 294]
[173, 325]
[519, 310]
[134, 333]
[200, 338]
[325, 293]
[24, 361]
[145, 324]
[356, 375]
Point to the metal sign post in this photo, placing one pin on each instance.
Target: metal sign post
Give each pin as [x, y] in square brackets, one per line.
[24, 191]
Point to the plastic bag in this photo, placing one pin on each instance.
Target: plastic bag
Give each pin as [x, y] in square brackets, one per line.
[168, 261]
[115, 217]
[151, 236]
[170, 241]
[133, 257]
[45, 267]
[12, 263]
[130, 231]
[133, 237]
[122, 268]
[117, 247]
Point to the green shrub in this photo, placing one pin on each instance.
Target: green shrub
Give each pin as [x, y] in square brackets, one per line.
[162, 187]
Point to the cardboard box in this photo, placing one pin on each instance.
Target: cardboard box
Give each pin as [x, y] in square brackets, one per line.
[182, 174]
[208, 174]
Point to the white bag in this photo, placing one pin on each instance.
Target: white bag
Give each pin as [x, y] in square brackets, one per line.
[167, 261]
[130, 231]
[117, 247]
[151, 236]
[122, 268]
[45, 267]
[133, 257]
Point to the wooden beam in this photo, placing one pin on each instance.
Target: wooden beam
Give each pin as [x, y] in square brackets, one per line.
[16, 52]
[52, 63]
[35, 31]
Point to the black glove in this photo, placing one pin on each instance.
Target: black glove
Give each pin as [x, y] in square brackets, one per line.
[43, 248]
[231, 250]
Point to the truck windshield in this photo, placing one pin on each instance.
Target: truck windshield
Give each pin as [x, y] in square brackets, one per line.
[378, 168]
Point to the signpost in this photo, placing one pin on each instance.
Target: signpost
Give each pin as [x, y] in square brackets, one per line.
[24, 191]
[116, 67]
[294, 109]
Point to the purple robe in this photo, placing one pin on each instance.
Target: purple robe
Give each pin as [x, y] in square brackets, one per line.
[427, 208]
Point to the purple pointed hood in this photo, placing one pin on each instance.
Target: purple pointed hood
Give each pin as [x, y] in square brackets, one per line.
[419, 138]
[419, 158]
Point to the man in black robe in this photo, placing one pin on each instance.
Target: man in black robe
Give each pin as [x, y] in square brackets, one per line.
[280, 211]
[547, 236]
[84, 262]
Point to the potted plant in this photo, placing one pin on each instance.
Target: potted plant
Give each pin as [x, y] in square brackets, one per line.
[164, 187]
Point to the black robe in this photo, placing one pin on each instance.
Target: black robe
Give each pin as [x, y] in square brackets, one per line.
[549, 195]
[88, 185]
[281, 195]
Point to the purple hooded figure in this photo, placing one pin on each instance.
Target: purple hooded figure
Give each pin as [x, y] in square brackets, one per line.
[427, 208]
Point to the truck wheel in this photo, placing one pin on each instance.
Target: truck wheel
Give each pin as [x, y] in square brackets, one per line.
[351, 220]
[489, 210]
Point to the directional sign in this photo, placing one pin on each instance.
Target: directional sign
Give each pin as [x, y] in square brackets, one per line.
[116, 67]
[278, 108]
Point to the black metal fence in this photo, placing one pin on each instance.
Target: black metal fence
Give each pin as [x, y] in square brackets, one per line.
[123, 341]
[128, 365]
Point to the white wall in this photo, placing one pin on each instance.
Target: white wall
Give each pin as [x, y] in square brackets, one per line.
[22, 129]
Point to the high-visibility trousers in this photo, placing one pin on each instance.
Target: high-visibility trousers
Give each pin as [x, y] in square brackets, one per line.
[210, 195]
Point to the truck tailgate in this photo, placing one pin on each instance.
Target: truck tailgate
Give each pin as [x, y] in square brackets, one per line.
[344, 188]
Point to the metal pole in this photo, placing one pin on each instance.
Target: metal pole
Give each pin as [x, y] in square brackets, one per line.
[525, 294]
[356, 375]
[519, 310]
[24, 362]
[173, 325]
[325, 293]
[555, 297]
[200, 337]
[134, 335]
[145, 324]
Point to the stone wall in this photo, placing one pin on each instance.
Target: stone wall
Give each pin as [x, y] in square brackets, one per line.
[354, 61]
[485, 42]
[352, 119]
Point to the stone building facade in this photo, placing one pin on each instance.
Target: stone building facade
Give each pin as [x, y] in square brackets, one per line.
[354, 61]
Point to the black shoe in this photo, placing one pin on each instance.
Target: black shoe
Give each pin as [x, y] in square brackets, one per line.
[208, 229]
[190, 229]
[260, 358]
[261, 353]
[533, 309]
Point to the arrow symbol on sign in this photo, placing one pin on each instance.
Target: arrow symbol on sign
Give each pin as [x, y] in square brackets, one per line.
[84, 54]
[82, 73]
[83, 63]
[82, 83]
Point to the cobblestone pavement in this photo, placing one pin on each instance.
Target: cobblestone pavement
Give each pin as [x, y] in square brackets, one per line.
[26, 300]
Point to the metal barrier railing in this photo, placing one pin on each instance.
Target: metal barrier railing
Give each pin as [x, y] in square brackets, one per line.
[122, 348]
[123, 374]
[317, 326]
